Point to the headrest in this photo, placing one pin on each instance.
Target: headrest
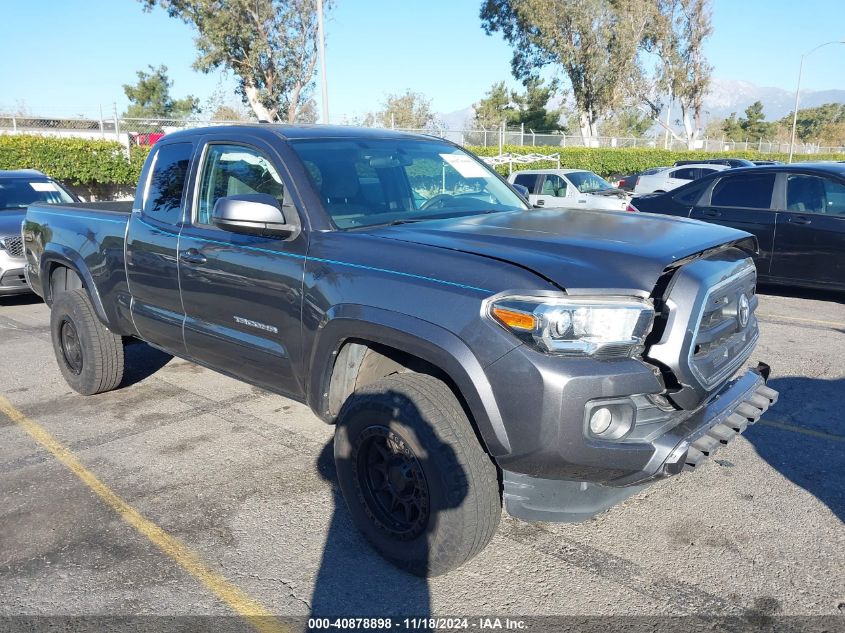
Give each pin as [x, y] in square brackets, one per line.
[340, 180]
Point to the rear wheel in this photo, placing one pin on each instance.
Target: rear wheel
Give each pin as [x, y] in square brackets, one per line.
[415, 478]
[90, 357]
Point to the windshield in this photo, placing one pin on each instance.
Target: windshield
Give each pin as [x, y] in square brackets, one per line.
[588, 182]
[17, 193]
[365, 182]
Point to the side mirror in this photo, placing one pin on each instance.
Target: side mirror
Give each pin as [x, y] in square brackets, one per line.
[252, 214]
[521, 190]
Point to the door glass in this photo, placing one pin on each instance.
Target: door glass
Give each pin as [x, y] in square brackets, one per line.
[527, 180]
[163, 195]
[812, 194]
[554, 185]
[687, 173]
[231, 170]
[750, 191]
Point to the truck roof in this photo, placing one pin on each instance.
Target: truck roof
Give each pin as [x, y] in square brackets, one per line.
[22, 173]
[316, 131]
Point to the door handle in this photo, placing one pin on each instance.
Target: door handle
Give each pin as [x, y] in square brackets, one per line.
[712, 213]
[798, 219]
[192, 256]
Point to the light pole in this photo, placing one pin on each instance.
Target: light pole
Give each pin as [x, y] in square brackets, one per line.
[798, 90]
[322, 52]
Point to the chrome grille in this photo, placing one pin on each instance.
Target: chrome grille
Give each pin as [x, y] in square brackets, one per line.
[13, 245]
[726, 329]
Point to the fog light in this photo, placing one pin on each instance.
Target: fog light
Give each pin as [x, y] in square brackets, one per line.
[600, 420]
[610, 419]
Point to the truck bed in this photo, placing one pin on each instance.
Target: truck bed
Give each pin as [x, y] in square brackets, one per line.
[86, 238]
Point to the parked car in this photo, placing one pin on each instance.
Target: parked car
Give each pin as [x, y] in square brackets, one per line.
[17, 190]
[627, 183]
[670, 178]
[767, 162]
[727, 162]
[569, 189]
[796, 211]
[469, 349]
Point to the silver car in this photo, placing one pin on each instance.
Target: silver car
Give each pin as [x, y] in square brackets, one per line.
[17, 190]
[670, 178]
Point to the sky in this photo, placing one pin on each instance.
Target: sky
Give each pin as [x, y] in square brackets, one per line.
[71, 57]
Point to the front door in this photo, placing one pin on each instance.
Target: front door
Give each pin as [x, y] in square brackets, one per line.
[810, 239]
[242, 293]
[744, 201]
[555, 192]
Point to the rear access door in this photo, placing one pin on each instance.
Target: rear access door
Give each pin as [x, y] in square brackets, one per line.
[151, 245]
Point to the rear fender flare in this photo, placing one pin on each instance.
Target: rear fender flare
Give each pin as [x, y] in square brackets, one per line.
[56, 254]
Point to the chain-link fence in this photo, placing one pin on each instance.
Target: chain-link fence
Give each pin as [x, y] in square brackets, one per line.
[147, 131]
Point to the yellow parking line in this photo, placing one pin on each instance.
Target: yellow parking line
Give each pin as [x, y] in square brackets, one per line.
[248, 608]
[801, 320]
[777, 424]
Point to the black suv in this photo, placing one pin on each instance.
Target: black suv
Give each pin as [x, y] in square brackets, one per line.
[797, 213]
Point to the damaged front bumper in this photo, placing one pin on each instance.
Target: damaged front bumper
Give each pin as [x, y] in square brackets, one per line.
[739, 404]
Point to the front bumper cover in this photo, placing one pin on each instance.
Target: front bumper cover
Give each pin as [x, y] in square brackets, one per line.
[739, 404]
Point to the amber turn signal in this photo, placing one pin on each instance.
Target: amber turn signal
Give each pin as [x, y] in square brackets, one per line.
[514, 319]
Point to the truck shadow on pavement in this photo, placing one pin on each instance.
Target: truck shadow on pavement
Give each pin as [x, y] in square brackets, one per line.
[802, 437]
[353, 580]
[141, 362]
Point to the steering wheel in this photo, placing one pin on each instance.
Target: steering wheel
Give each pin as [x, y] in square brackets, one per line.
[439, 198]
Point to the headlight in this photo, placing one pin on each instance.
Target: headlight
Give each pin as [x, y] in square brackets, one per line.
[602, 327]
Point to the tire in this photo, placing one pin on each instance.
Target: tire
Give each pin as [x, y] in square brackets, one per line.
[90, 357]
[405, 442]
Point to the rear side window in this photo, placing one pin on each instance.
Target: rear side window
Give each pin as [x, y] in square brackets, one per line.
[687, 173]
[527, 180]
[166, 183]
[691, 193]
[750, 191]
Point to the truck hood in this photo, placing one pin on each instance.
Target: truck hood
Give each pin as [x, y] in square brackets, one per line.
[576, 248]
[10, 222]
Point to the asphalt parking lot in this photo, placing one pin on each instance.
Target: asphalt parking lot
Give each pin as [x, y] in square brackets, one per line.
[242, 481]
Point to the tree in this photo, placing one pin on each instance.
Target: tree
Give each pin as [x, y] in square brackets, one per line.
[595, 43]
[628, 122]
[270, 46]
[820, 124]
[495, 107]
[732, 128]
[150, 97]
[754, 125]
[529, 108]
[532, 106]
[408, 110]
[678, 29]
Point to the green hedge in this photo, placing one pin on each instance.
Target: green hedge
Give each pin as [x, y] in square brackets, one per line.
[628, 160]
[95, 162]
[73, 161]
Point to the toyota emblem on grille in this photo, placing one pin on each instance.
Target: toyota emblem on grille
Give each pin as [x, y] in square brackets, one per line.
[743, 310]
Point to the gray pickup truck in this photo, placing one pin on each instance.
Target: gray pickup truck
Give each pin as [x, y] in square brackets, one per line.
[469, 349]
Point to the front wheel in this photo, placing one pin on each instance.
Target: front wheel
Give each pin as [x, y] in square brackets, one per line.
[415, 478]
[90, 357]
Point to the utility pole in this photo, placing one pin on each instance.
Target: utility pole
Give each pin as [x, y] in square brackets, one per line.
[798, 90]
[322, 53]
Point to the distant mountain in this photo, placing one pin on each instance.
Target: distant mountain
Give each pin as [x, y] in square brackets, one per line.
[725, 96]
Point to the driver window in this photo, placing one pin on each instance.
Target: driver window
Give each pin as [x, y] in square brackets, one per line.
[554, 185]
[231, 170]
